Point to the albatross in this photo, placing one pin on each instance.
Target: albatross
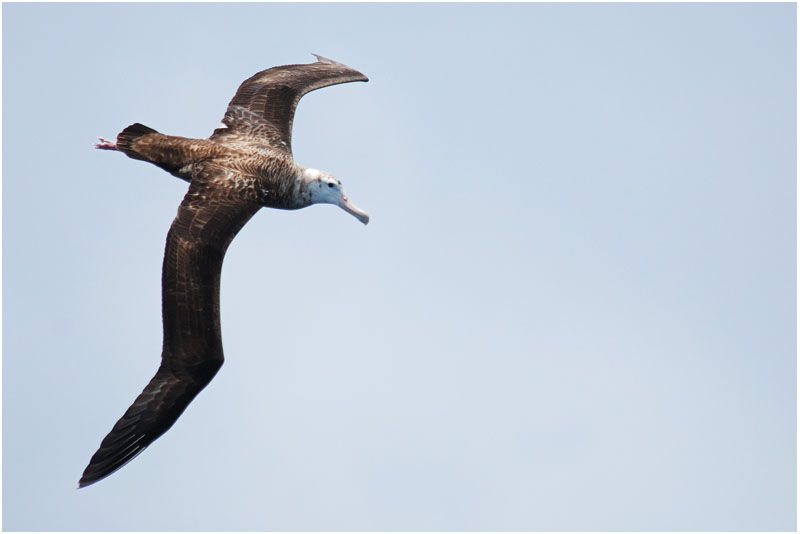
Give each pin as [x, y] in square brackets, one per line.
[239, 169]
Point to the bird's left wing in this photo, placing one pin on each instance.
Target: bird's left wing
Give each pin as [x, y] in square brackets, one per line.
[262, 111]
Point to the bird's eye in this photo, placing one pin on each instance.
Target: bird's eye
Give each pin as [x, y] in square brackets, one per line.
[330, 184]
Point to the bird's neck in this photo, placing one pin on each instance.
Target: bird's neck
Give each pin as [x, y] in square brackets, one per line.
[283, 188]
[302, 185]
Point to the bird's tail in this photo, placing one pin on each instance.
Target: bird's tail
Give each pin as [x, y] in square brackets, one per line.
[126, 138]
[173, 154]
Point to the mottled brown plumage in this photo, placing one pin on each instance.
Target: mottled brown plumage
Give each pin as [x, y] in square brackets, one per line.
[239, 169]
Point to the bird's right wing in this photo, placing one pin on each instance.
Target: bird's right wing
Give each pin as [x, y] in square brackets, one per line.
[208, 218]
[152, 413]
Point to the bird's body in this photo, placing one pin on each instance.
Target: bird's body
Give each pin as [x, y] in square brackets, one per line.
[265, 176]
[238, 170]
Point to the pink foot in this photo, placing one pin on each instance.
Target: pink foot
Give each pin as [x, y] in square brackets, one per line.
[105, 144]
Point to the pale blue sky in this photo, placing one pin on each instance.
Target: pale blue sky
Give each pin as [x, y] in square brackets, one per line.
[573, 309]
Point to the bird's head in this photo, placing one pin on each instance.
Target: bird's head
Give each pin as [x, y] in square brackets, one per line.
[323, 188]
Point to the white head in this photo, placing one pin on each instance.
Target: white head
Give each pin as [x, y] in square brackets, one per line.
[322, 188]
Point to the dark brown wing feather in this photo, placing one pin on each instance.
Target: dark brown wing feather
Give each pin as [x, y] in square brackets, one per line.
[207, 221]
[263, 108]
[151, 414]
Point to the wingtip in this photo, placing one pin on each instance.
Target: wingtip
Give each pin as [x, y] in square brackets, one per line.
[321, 59]
[87, 480]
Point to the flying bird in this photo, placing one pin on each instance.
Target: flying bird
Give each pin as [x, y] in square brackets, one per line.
[241, 168]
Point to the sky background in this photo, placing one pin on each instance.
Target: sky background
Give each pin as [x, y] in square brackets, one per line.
[573, 308]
